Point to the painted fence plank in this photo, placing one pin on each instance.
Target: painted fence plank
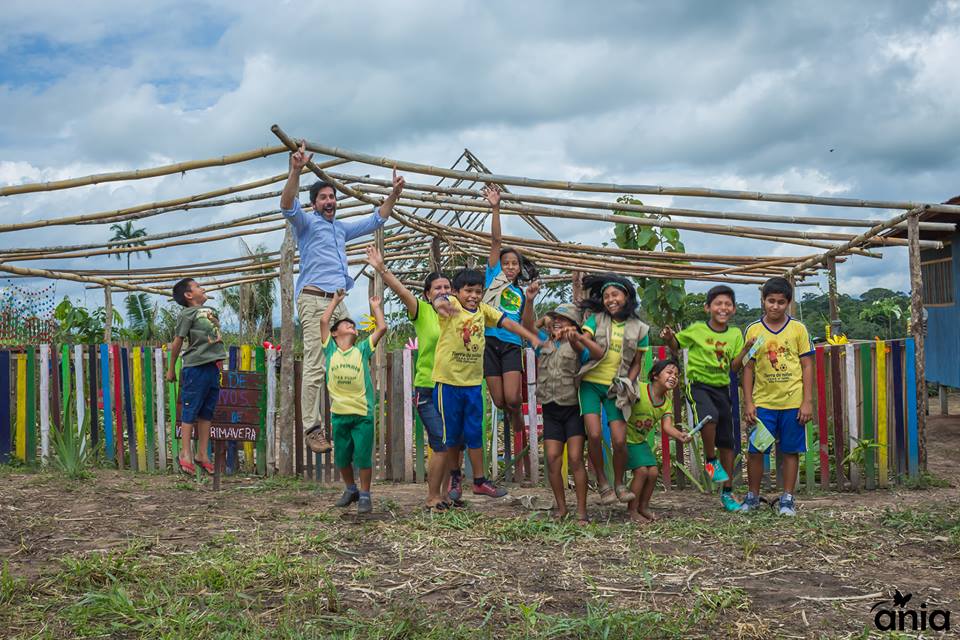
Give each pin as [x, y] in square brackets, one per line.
[246, 364]
[55, 389]
[407, 363]
[836, 385]
[136, 382]
[31, 405]
[869, 431]
[78, 393]
[92, 395]
[148, 415]
[20, 440]
[161, 426]
[118, 405]
[233, 360]
[534, 454]
[106, 388]
[272, 448]
[900, 438]
[853, 427]
[172, 395]
[260, 364]
[822, 423]
[45, 403]
[128, 411]
[64, 377]
[881, 385]
[5, 435]
[913, 458]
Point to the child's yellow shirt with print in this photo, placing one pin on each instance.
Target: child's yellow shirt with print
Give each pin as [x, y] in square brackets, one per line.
[777, 375]
[458, 359]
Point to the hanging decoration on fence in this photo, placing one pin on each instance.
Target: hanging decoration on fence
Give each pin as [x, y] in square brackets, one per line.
[26, 314]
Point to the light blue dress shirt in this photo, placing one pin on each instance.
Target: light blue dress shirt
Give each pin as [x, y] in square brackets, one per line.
[322, 245]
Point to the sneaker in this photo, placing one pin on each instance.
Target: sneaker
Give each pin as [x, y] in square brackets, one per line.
[489, 489]
[316, 441]
[624, 494]
[364, 504]
[716, 471]
[348, 497]
[729, 502]
[787, 507]
[456, 489]
[750, 503]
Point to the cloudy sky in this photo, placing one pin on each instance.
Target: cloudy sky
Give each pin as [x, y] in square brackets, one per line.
[726, 95]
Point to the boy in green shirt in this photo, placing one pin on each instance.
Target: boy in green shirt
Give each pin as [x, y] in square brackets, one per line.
[351, 398]
[200, 376]
[715, 350]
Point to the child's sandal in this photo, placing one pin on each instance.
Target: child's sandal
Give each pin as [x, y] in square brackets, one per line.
[206, 466]
[186, 467]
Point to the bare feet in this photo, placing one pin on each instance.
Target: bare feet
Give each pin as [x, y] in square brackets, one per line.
[649, 515]
[561, 514]
[639, 520]
[582, 519]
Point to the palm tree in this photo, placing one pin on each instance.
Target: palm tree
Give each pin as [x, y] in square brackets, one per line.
[253, 302]
[127, 237]
[142, 315]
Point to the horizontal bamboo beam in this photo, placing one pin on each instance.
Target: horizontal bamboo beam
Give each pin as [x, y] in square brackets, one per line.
[145, 210]
[667, 211]
[599, 187]
[64, 275]
[809, 262]
[139, 174]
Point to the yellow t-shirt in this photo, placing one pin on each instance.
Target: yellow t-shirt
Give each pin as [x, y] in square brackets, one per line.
[777, 376]
[458, 359]
[606, 369]
[348, 378]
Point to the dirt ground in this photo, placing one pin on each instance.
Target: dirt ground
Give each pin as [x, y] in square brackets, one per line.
[492, 569]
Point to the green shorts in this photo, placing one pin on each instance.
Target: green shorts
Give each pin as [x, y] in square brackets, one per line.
[640, 455]
[594, 395]
[353, 441]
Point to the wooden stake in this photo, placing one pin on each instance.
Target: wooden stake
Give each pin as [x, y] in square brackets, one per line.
[285, 420]
[108, 313]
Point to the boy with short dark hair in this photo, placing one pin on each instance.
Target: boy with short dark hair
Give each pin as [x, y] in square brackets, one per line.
[778, 391]
[200, 375]
[458, 374]
[715, 349]
[351, 398]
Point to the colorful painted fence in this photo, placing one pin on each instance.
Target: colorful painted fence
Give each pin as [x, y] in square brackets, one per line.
[863, 436]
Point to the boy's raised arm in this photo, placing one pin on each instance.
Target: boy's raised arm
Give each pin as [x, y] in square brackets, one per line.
[520, 330]
[328, 313]
[376, 308]
[493, 197]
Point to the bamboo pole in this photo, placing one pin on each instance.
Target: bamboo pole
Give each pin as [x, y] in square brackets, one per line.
[286, 416]
[565, 185]
[145, 209]
[918, 331]
[63, 275]
[108, 315]
[139, 174]
[666, 211]
[835, 327]
[809, 262]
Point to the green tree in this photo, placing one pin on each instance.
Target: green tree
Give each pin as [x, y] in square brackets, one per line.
[253, 302]
[128, 237]
[142, 316]
[663, 298]
[78, 325]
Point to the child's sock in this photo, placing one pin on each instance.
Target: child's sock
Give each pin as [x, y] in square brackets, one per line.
[455, 473]
[479, 481]
[352, 488]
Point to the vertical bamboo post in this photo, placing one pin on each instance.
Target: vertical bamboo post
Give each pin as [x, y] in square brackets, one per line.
[108, 315]
[577, 278]
[917, 329]
[835, 327]
[285, 419]
[380, 363]
[435, 254]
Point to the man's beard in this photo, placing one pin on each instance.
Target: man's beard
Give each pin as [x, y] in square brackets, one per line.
[328, 210]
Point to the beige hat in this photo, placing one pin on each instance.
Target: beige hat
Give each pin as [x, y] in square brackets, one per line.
[569, 311]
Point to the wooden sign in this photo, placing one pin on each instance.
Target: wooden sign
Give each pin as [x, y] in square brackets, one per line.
[239, 406]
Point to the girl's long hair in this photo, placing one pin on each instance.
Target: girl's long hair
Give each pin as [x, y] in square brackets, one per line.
[593, 299]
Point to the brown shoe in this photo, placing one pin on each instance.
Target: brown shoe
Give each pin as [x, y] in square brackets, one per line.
[316, 440]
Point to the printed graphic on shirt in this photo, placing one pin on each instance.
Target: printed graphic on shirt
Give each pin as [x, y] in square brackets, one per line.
[510, 301]
[208, 321]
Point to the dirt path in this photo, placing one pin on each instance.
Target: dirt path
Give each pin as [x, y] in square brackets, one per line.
[493, 568]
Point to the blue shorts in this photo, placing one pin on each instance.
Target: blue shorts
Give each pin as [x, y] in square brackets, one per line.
[461, 414]
[786, 428]
[199, 390]
[430, 417]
